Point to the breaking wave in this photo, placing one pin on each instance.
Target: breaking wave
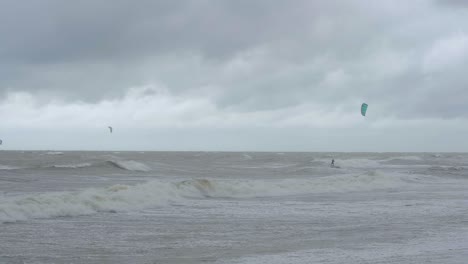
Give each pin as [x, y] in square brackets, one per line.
[118, 198]
[408, 158]
[72, 166]
[54, 153]
[449, 170]
[247, 156]
[360, 163]
[128, 165]
[351, 163]
[5, 167]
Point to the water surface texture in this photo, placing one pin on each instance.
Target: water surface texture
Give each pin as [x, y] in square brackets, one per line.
[207, 207]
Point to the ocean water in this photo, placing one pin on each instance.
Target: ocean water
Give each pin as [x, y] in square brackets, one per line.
[236, 207]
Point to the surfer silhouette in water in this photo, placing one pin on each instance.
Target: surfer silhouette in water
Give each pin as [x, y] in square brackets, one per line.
[332, 163]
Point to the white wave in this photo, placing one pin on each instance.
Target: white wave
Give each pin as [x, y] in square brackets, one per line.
[409, 158]
[267, 188]
[129, 165]
[6, 167]
[352, 163]
[54, 153]
[72, 166]
[247, 156]
[90, 201]
[155, 193]
[268, 166]
[368, 163]
[448, 168]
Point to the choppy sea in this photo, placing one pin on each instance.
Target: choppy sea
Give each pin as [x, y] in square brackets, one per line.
[233, 207]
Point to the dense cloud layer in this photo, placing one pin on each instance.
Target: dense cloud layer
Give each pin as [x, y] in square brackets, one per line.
[235, 66]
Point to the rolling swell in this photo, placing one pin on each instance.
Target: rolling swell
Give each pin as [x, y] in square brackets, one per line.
[6, 167]
[128, 165]
[121, 198]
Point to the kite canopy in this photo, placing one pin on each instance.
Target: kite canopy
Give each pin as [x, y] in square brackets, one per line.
[363, 109]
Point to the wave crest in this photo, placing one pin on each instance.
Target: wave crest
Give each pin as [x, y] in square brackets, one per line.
[159, 193]
[129, 165]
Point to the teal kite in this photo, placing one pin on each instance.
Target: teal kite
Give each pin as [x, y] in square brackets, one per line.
[363, 109]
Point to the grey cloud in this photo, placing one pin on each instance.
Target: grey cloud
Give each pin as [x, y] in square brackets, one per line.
[56, 31]
[236, 71]
[91, 48]
[330, 53]
[454, 3]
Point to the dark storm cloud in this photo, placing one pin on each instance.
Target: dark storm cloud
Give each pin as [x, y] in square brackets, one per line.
[55, 45]
[57, 31]
[404, 56]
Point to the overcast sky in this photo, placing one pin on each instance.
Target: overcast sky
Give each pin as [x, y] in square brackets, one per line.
[259, 75]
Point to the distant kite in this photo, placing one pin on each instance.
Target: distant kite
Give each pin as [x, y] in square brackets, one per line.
[1, 142]
[363, 109]
[110, 129]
